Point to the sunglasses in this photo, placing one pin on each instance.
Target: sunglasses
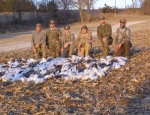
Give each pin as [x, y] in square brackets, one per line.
[66, 29]
[122, 22]
[52, 23]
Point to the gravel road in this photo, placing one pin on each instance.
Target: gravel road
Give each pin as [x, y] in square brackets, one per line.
[22, 39]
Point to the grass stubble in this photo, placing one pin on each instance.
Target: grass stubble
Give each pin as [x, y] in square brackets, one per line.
[122, 91]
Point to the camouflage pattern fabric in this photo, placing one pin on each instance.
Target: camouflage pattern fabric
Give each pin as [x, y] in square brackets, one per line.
[124, 50]
[53, 41]
[123, 36]
[39, 50]
[85, 50]
[104, 31]
[84, 39]
[66, 39]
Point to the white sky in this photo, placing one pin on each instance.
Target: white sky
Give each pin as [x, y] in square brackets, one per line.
[119, 3]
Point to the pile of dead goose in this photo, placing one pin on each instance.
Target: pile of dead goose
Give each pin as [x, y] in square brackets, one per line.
[72, 68]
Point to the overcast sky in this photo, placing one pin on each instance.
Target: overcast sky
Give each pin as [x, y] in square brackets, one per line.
[119, 3]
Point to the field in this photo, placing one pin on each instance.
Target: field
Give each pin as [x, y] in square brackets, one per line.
[125, 91]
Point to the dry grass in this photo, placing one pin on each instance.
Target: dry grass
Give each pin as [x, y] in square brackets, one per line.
[123, 91]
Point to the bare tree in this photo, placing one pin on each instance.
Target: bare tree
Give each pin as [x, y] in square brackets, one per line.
[64, 4]
[80, 6]
[141, 2]
[89, 3]
[136, 3]
[115, 9]
[145, 7]
[133, 4]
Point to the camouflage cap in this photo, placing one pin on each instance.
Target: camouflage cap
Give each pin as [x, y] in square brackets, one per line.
[51, 21]
[123, 21]
[101, 18]
[38, 24]
[66, 27]
[84, 27]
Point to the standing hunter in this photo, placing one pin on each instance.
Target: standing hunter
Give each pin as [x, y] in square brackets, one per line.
[104, 33]
[53, 35]
[39, 42]
[68, 42]
[84, 41]
[122, 42]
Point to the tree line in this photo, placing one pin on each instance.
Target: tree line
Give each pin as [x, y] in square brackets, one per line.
[52, 8]
[64, 11]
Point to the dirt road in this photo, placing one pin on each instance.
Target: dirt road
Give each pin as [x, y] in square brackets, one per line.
[22, 40]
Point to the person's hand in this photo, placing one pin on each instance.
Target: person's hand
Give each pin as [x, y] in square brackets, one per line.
[79, 45]
[37, 45]
[118, 46]
[104, 39]
[57, 41]
[66, 45]
[69, 42]
[34, 50]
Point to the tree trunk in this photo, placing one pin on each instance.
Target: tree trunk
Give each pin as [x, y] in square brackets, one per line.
[80, 11]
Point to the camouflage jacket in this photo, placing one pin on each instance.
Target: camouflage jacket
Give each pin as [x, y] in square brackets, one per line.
[123, 34]
[67, 38]
[84, 38]
[53, 35]
[104, 31]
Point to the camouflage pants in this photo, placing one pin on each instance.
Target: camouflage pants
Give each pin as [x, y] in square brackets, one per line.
[54, 49]
[124, 50]
[39, 50]
[105, 48]
[68, 51]
[84, 50]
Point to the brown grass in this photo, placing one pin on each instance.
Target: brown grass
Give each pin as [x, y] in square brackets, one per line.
[123, 91]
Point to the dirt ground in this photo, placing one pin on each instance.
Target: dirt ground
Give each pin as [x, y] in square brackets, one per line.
[125, 91]
[14, 41]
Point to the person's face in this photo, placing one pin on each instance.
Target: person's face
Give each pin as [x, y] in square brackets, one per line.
[52, 25]
[67, 30]
[122, 24]
[102, 21]
[84, 31]
[38, 28]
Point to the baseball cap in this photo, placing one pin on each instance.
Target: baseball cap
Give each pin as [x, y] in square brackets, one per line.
[38, 24]
[51, 21]
[67, 27]
[101, 18]
[123, 21]
[84, 27]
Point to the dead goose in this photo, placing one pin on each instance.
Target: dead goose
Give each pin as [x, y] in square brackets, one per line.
[121, 60]
[6, 77]
[43, 60]
[35, 78]
[72, 68]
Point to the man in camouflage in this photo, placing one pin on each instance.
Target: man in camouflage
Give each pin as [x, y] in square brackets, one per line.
[53, 35]
[68, 42]
[38, 42]
[104, 33]
[84, 41]
[122, 42]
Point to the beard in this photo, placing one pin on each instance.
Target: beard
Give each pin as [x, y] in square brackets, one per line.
[122, 26]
